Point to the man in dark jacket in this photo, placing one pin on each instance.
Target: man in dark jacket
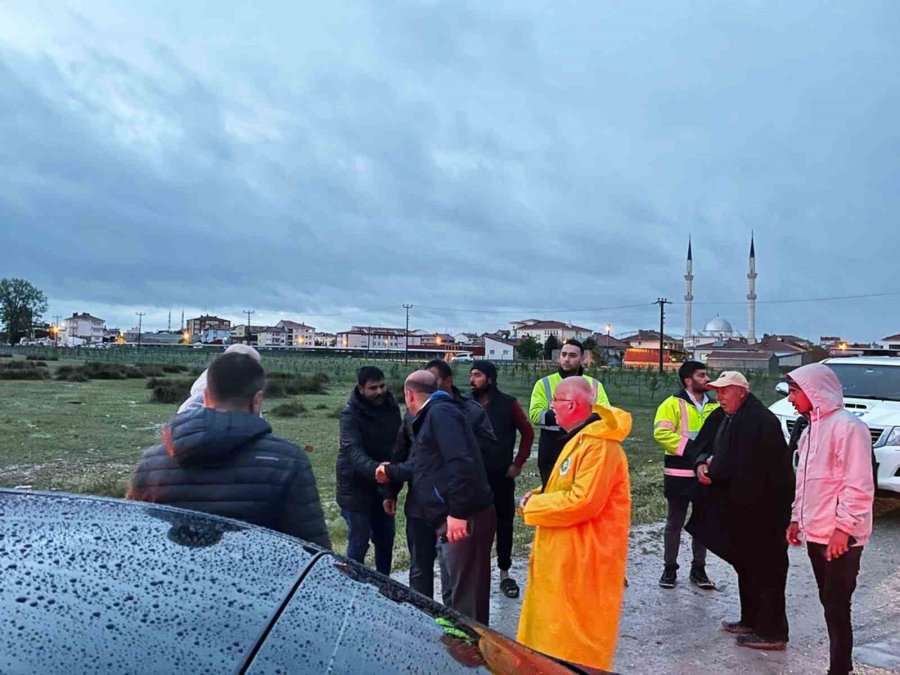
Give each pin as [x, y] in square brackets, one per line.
[507, 418]
[369, 425]
[224, 460]
[450, 486]
[743, 506]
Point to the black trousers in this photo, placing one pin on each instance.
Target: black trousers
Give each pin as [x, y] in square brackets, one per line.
[761, 584]
[505, 505]
[468, 566]
[836, 580]
[678, 507]
[422, 543]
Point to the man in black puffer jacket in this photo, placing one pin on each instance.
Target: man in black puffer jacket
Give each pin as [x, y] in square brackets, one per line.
[369, 425]
[224, 460]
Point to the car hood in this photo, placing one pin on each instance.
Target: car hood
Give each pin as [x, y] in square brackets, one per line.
[878, 414]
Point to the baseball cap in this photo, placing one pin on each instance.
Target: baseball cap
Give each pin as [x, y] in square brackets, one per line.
[729, 378]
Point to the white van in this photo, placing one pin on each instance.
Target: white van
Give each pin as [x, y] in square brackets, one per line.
[871, 392]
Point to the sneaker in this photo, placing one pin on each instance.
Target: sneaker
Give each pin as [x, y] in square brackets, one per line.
[754, 641]
[700, 580]
[668, 578]
[736, 628]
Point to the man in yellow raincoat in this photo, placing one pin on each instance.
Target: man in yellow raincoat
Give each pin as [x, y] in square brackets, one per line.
[576, 573]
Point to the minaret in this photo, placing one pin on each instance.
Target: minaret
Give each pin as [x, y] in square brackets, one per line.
[688, 296]
[751, 296]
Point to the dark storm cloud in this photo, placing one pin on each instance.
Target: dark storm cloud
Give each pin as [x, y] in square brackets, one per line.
[332, 164]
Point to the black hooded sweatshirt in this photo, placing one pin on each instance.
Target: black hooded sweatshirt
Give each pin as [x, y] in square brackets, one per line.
[229, 464]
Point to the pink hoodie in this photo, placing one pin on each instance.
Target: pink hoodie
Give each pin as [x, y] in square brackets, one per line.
[835, 485]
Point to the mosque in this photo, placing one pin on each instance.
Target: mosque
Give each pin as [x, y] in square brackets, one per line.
[718, 329]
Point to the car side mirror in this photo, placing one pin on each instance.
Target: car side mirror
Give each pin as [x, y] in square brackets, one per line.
[782, 388]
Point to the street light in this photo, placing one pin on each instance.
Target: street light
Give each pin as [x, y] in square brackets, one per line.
[608, 330]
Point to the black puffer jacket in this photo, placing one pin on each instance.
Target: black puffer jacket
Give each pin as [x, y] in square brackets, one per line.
[368, 435]
[230, 464]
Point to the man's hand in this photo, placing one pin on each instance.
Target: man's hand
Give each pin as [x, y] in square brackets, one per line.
[457, 528]
[390, 506]
[703, 474]
[513, 471]
[837, 546]
[381, 474]
[528, 495]
[793, 534]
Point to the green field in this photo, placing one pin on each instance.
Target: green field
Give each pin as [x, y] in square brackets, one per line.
[86, 437]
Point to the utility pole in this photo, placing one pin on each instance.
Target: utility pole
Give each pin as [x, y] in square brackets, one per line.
[248, 312]
[608, 330]
[406, 348]
[140, 316]
[56, 318]
[662, 302]
[169, 328]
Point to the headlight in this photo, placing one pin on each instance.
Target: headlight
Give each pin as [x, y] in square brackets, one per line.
[889, 437]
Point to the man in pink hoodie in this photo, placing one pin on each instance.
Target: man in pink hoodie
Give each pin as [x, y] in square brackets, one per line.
[832, 507]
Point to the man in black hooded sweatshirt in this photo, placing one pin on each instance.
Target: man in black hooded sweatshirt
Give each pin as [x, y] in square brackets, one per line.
[223, 459]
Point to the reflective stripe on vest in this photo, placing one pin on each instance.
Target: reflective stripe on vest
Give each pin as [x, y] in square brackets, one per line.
[548, 392]
[678, 473]
[595, 385]
[685, 431]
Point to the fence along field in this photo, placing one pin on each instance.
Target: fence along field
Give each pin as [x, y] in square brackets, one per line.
[84, 434]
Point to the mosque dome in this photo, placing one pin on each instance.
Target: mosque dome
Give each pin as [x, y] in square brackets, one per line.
[718, 326]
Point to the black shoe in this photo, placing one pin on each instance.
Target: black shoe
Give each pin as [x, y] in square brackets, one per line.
[754, 641]
[669, 577]
[700, 580]
[736, 628]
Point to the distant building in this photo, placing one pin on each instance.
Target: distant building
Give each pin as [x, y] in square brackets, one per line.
[83, 327]
[214, 336]
[892, 343]
[270, 336]
[542, 330]
[297, 335]
[637, 357]
[201, 323]
[468, 339]
[611, 350]
[829, 341]
[326, 340]
[649, 339]
[497, 349]
[239, 332]
[378, 338]
[746, 361]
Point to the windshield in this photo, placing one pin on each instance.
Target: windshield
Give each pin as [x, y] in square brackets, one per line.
[869, 381]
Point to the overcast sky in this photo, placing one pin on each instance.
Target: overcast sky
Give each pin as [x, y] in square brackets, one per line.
[329, 162]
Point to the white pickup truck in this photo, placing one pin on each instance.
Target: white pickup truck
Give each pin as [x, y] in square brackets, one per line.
[871, 392]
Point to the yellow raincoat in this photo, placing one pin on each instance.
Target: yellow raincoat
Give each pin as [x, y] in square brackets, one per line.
[576, 573]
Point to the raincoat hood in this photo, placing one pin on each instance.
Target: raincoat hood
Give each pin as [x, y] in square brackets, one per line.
[614, 423]
[821, 386]
[208, 435]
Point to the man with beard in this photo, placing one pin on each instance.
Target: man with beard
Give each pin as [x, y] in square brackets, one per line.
[743, 507]
[678, 420]
[507, 417]
[368, 430]
[539, 411]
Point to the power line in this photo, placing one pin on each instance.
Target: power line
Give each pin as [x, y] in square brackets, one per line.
[556, 310]
[797, 300]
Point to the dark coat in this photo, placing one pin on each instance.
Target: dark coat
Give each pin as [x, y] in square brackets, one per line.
[229, 464]
[478, 419]
[367, 437]
[743, 514]
[445, 466]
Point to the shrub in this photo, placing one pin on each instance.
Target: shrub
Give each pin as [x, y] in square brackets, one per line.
[5, 355]
[275, 388]
[292, 409]
[150, 370]
[24, 365]
[197, 371]
[171, 391]
[32, 357]
[322, 406]
[175, 368]
[23, 370]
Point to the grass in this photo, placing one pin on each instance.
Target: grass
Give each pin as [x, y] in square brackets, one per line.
[87, 436]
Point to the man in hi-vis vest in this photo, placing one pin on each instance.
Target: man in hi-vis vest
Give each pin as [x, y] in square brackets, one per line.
[678, 419]
[553, 437]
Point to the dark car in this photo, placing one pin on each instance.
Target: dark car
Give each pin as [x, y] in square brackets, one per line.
[105, 585]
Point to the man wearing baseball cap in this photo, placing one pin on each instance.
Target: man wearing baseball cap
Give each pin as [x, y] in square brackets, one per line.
[743, 507]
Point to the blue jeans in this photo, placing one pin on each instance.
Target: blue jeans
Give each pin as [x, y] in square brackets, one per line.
[374, 525]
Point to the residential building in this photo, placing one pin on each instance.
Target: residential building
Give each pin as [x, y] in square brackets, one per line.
[892, 343]
[648, 359]
[239, 332]
[829, 341]
[700, 352]
[297, 335]
[497, 349]
[542, 330]
[378, 338]
[649, 339]
[212, 336]
[271, 336]
[610, 350]
[746, 361]
[468, 339]
[84, 327]
[326, 340]
[201, 323]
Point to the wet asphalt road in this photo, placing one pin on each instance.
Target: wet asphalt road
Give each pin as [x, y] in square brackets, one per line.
[677, 631]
